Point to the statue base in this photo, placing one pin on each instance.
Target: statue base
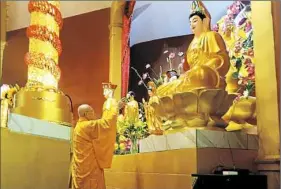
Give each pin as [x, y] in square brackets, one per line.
[168, 161]
[44, 105]
[199, 138]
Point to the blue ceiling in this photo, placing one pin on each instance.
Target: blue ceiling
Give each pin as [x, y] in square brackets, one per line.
[161, 19]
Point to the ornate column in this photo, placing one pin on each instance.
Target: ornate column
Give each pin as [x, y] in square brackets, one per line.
[116, 24]
[3, 32]
[266, 92]
[41, 97]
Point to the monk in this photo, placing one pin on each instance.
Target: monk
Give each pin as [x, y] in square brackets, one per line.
[93, 146]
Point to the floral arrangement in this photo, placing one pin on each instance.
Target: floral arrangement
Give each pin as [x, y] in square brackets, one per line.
[8, 92]
[171, 57]
[128, 134]
[236, 28]
[158, 79]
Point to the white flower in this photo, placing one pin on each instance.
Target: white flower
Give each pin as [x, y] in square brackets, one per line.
[140, 82]
[4, 89]
[144, 76]
[180, 53]
[240, 76]
[165, 52]
[246, 93]
[147, 66]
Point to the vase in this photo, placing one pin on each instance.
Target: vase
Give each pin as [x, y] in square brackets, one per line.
[134, 146]
[4, 112]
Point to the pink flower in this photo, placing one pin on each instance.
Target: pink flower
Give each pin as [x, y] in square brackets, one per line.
[251, 70]
[248, 27]
[172, 55]
[215, 28]
[183, 61]
[140, 82]
[147, 66]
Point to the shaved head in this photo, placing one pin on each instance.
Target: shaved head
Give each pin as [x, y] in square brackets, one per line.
[85, 110]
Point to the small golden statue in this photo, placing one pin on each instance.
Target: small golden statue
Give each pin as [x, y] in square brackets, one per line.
[108, 92]
[153, 121]
[131, 112]
[198, 97]
[241, 115]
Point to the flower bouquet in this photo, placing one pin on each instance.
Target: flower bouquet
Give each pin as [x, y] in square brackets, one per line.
[237, 21]
[128, 135]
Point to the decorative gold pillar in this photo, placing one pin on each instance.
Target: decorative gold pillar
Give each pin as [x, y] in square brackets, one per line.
[41, 97]
[266, 92]
[116, 28]
[3, 32]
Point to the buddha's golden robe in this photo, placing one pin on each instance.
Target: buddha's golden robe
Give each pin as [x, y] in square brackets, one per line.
[132, 112]
[93, 148]
[208, 63]
[154, 122]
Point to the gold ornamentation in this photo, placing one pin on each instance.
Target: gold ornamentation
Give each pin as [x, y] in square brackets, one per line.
[41, 98]
[198, 6]
[197, 98]
[46, 8]
[45, 45]
[242, 114]
[39, 60]
[4, 112]
[31, 103]
[44, 34]
[154, 121]
[197, 108]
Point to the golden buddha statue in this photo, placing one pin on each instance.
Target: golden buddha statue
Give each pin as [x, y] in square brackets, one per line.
[153, 121]
[207, 60]
[131, 112]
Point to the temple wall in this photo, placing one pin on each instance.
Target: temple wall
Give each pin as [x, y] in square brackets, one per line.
[84, 61]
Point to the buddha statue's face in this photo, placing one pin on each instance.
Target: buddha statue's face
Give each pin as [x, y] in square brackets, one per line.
[196, 25]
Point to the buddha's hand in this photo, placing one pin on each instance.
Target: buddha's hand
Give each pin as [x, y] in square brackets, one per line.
[215, 63]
